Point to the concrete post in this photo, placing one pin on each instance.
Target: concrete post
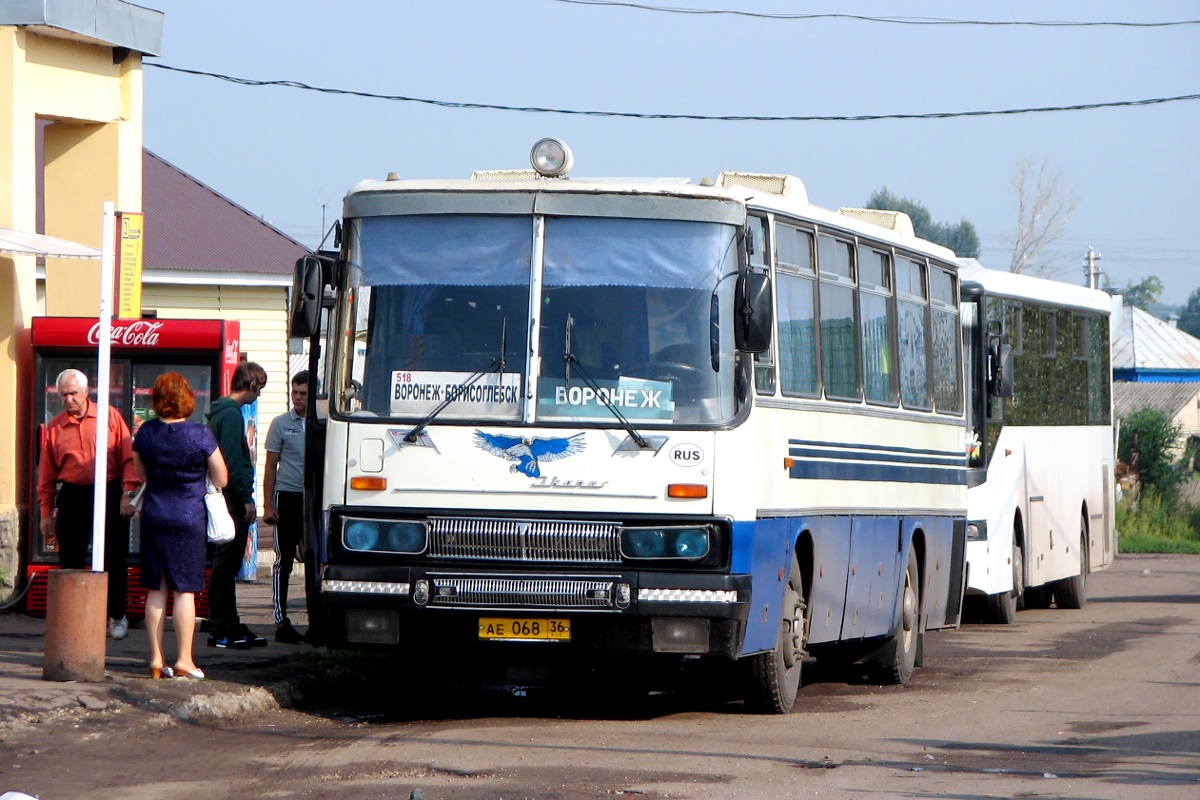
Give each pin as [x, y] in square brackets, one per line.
[76, 602]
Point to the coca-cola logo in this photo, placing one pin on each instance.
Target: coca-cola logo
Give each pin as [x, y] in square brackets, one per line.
[139, 333]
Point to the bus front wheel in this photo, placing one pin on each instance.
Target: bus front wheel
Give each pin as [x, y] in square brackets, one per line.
[773, 677]
[1002, 608]
[1072, 592]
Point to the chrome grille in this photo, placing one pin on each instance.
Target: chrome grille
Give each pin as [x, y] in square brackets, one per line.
[448, 591]
[524, 540]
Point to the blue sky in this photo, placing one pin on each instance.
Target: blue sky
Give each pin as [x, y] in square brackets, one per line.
[290, 155]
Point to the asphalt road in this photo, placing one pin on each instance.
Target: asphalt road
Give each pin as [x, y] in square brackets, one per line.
[1102, 702]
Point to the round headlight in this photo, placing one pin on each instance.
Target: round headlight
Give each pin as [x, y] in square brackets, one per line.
[362, 535]
[691, 543]
[645, 543]
[551, 158]
[406, 537]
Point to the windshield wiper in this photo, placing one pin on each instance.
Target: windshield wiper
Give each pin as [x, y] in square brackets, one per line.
[495, 365]
[568, 360]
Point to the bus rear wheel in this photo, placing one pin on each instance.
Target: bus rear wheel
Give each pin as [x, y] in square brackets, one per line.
[895, 660]
[773, 677]
[908, 630]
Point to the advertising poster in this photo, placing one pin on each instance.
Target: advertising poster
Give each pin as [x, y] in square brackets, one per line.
[129, 266]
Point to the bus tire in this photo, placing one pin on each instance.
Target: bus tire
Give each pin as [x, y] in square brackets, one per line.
[907, 635]
[773, 677]
[1002, 608]
[1072, 592]
[1038, 596]
[318, 621]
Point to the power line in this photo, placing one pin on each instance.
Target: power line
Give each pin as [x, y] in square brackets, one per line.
[699, 117]
[888, 20]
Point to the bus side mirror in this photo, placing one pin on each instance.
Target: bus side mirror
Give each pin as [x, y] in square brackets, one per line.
[1001, 359]
[754, 309]
[307, 289]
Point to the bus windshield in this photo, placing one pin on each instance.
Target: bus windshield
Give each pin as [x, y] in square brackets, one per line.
[632, 314]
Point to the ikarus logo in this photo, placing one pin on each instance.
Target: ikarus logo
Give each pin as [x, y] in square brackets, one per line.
[528, 452]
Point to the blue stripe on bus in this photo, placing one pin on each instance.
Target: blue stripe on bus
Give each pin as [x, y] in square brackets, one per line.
[826, 452]
[855, 462]
[894, 473]
[877, 447]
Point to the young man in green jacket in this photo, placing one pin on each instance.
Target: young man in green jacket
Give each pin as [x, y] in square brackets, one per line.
[225, 420]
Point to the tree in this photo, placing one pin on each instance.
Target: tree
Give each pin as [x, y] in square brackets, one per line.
[1189, 317]
[1143, 294]
[1045, 204]
[960, 238]
[1147, 443]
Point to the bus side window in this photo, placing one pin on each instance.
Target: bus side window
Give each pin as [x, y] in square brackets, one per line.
[837, 301]
[759, 256]
[912, 324]
[796, 312]
[875, 326]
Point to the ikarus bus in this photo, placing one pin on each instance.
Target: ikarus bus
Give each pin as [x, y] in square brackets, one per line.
[648, 419]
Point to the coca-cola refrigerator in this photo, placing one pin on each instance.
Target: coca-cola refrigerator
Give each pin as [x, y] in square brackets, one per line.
[206, 352]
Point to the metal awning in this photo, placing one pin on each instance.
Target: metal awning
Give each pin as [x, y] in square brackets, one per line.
[38, 244]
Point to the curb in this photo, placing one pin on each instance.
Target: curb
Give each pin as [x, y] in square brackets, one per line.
[212, 700]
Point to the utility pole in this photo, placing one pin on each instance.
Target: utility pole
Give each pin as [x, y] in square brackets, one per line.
[1091, 272]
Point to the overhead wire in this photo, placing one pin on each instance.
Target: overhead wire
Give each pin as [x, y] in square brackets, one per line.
[290, 84]
[897, 20]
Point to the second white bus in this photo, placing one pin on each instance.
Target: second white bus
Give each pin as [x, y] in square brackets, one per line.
[1040, 439]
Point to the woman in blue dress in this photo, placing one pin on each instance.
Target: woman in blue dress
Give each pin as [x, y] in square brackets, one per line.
[173, 456]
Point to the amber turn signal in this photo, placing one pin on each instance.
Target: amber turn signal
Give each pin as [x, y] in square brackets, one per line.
[368, 483]
[687, 491]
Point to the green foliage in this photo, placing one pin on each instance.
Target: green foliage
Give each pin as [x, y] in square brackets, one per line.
[1189, 316]
[1155, 525]
[1147, 437]
[1136, 543]
[960, 238]
[1142, 294]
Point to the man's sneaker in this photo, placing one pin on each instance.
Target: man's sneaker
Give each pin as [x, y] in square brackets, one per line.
[250, 636]
[284, 632]
[118, 628]
[233, 640]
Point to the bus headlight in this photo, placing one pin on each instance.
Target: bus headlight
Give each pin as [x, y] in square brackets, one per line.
[384, 536]
[685, 543]
[362, 535]
[406, 537]
[551, 158]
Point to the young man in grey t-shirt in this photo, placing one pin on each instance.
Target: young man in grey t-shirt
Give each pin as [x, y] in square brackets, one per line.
[283, 491]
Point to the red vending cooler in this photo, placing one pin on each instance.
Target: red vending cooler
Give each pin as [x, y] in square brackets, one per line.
[205, 352]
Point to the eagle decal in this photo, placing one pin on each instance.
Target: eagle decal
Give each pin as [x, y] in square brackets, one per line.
[527, 453]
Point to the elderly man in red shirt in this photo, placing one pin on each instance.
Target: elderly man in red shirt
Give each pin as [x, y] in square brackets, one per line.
[69, 458]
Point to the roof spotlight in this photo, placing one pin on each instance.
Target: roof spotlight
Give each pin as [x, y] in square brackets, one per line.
[551, 158]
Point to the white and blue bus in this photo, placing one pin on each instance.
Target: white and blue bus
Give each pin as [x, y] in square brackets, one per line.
[1040, 496]
[636, 419]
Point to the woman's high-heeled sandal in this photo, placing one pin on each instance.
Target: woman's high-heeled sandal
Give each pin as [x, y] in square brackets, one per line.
[161, 672]
[195, 674]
